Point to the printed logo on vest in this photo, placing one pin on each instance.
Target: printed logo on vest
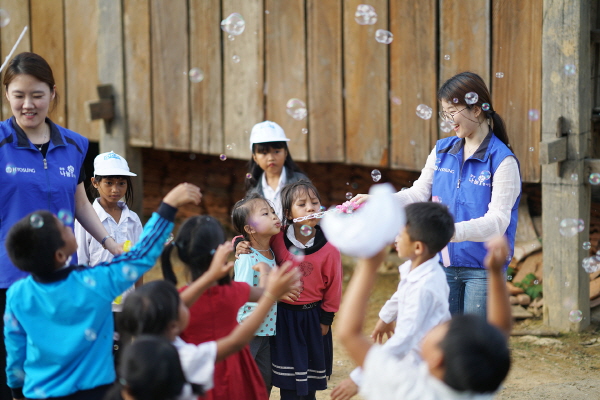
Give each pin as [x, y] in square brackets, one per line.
[443, 169]
[13, 170]
[438, 160]
[68, 172]
[481, 179]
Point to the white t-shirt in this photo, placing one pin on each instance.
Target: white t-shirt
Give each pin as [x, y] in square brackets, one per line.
[386, 377]
[274, 196]
[197, 361]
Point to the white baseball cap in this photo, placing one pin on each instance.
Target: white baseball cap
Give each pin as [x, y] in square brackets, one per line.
[111, 164]
[267, 131]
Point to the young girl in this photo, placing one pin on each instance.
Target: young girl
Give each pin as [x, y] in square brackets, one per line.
[157, 308]
[271, 166]
[255, 219]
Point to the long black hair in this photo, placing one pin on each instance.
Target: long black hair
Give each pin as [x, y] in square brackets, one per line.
[196, 242]
[255, 170]
[454, 90]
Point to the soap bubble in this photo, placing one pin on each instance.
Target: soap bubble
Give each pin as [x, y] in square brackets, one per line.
[248, 175]
[594, 178]
[485, 106]
[90, 334]
[65, 217]
[455, 100]
[36, 221]
[536, 282]
[169, 239]
[376, 175]
[229, 147]
[196, 75]
[499, 74]
[296, 109]
[40, 393]
[348, 196]
[304, 131]
[575, 316]
[297, 254]
[570, 69]
[574, 177]
[234, 24]
[447, 57]
[586, 245]
[531, 149]
[222, 157]
[570, 227]
[424, 111]
[446, 126]
[130, 273]
[4, 18]
[231, 38]
[365, 15]
[383, 36]
[11, 169]
[88, 280]
[533, 114]
[236, 59]
[305, 230]
[471, 98]
[591, 264]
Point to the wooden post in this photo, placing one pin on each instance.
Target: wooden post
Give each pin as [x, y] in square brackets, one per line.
[566, 120]
[111, 70]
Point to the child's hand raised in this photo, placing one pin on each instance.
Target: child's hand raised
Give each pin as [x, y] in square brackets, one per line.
[497, 254]
[219, 267]
[282, 280]
[184, 193]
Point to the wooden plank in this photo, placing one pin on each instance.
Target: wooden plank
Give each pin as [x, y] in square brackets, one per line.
[207, 96]
[48, 40]
[285, 69]
[138, 74]
[81, 65]
[366, 83]
[413, 54]
[170, 90]
[325, 81]
[517, 53]
[465, 37]
[566, 40]
[244, 80]
[18, 11]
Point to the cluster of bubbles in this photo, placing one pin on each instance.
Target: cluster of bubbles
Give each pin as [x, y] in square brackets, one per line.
[499, 74]
[591, 264]
[296, 109]
[471, 98]
[36, 221]
[365, 15]
[376, 175]
[533, 114]
[424, 111]
[306, 230]
[65, 217]
[196, 75]
[575, 316]
[234, 24]
[446, 126]
[4, 18]
[383, 36]
[569, 227]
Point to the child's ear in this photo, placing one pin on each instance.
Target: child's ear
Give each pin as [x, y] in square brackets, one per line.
[420, 248]
[94, 183]
[254, 158]
[249, 229]
[61, 257]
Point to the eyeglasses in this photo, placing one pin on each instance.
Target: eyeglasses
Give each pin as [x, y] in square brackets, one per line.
[450, 116]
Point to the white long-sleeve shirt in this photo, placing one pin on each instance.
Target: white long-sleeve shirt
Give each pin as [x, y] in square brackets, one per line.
[505, 191]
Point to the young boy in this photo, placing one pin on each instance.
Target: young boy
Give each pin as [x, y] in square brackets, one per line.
[464, 358]
[421, 301]
[58, 321]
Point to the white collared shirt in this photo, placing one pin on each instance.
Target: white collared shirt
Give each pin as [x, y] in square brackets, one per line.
[291, 235]
[419, 304]
[274, 196]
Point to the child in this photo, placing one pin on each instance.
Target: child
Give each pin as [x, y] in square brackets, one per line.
[421, 301]
[213, 315]
[302, 350]
[255, 219]
[464, 358]
[271, 166]
[157, 308]
[150, 370]
[111, 182]
[60, 327]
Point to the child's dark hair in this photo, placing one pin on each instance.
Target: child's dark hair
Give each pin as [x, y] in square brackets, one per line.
[32, 243]
[255, 170]
[241, 212]
[461, 84]
[430, 223]
[150, 369]
[289, 194]
[128, 193]
[148, 310]
[476, 355]
[196, 242]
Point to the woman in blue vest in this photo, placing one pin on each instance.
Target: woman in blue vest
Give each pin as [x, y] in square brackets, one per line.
[41, 166]
[476, 175]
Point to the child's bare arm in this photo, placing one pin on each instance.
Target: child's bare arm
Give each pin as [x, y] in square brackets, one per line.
[498, 305]
[354, 308]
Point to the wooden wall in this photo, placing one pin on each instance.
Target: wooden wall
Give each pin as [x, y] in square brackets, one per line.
[361, 95]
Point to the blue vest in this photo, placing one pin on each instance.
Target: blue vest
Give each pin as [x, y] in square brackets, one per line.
[466, 188]
[30, 182]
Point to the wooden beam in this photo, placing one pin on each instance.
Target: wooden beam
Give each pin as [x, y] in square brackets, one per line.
[553, 151]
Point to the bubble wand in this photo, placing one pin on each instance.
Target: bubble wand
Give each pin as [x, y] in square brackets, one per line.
[347, 208]
[13, 49]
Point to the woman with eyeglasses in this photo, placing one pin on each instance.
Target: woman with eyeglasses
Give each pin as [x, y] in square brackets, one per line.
[476, 174]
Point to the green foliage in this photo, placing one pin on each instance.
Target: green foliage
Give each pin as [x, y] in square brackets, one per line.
[531, 286]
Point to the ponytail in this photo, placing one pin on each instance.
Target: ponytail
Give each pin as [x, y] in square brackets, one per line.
[166, 265]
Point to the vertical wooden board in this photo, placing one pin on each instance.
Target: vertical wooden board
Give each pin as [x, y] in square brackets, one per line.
[465, 37]
[517, 52]
[48, 40]
[413, 82]
[81, 62]
[285, 69]
[325, 81]
[170, 89]
[138, 74]
[18, 10]
[206, 97]
[244, 80]
[366, 84]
